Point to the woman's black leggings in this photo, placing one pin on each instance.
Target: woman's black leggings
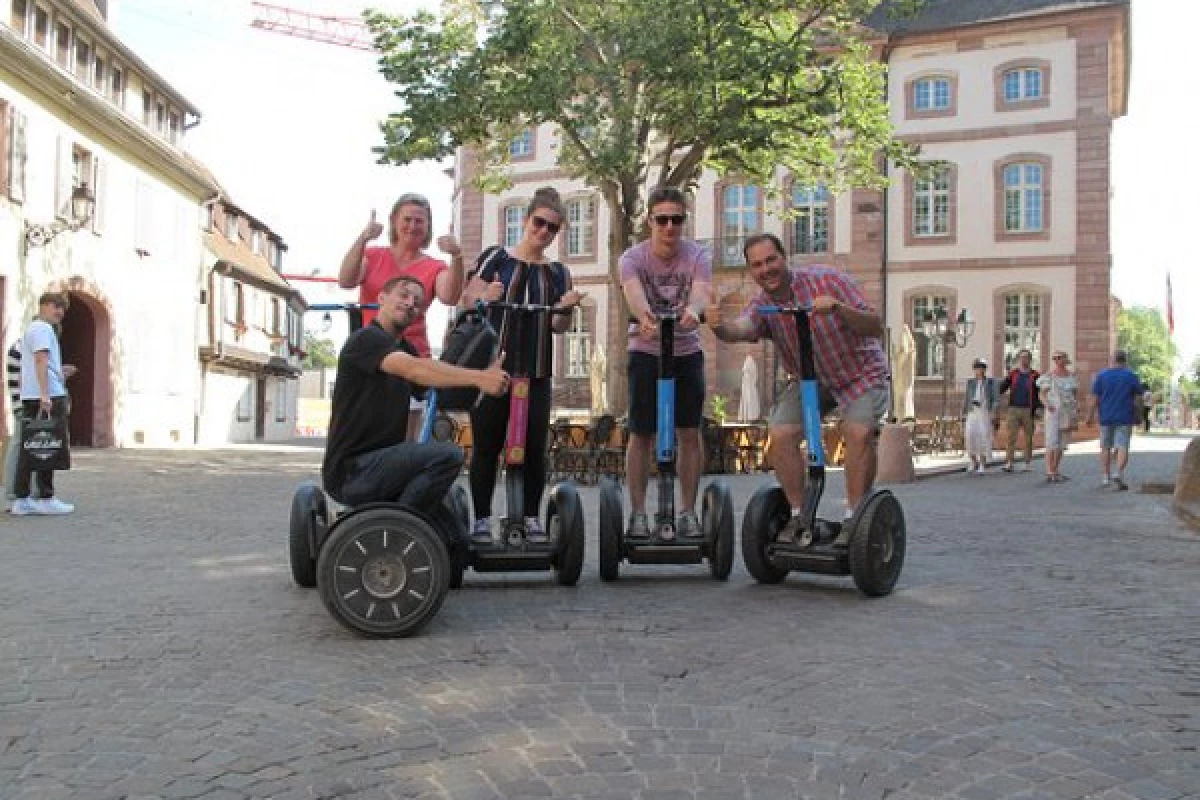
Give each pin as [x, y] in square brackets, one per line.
[489, 425]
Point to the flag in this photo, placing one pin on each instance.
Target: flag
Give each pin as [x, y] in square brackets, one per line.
[1170, 309]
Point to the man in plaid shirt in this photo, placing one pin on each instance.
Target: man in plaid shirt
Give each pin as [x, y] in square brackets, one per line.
[850, 364]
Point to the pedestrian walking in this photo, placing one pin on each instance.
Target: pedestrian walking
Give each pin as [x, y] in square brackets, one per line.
[1058, 389]
[1023, 405]
[1116, 393]
[12, 368]
[43, 394]
[979, 406]
[1147, 409]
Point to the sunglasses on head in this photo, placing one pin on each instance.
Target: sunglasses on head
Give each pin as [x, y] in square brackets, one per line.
[661, 220]
[542, 222]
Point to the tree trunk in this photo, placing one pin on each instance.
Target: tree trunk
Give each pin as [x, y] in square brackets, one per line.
[620, 238]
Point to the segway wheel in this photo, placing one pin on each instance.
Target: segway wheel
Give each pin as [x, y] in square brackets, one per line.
[877, 544]
[455, 518]
[766, 514]
[384, 572]
[612, 520]
[307, 526]
[564, 524]
[716, 518]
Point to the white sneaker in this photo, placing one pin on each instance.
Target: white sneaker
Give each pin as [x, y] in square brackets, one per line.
[981, 470]
[23, 506]
[52, 505]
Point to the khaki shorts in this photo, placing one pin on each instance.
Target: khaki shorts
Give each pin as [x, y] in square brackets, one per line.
[870, 409]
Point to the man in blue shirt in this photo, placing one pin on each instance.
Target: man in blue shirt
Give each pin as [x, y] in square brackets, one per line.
[1116, 392]
[1023, 404]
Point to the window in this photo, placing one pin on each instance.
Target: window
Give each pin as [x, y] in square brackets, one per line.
[930, 350]
[810, 226]
[160, 117]
[116, 86]
[931, 94]
[173, 127]
[281, 403]
[276, 318]
[581, 227]
[739, 219]
[578, 346]
[231, 226]
[206, 217]
[100, 75]
[245, 406]
[522, 145]
[147, 108]
[16, 155]
[1023, 198]
[1022, 84]
[239, 306]
[41, 28]
[1022, 326]
[62, 44]
[20, 17]
[256, 241]
[931, 204]
[83, 61]
[514, 222]
[277, 257]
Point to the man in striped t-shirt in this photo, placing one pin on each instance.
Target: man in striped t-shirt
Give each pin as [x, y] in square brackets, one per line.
[849, 360]
[13, 447]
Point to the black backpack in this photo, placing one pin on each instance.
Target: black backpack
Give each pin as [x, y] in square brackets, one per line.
[471, 344]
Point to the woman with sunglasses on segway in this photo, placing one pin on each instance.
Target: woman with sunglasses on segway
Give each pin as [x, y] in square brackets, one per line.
[522, 274]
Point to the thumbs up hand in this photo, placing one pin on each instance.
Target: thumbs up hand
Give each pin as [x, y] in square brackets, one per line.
[373, 229]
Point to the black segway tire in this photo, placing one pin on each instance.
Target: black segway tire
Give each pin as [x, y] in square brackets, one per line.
[766, 513]
[877, 544]
[383, 572]
[458, 530]
[717, 521]
[612, 521]
[564, 524]
[308, 520]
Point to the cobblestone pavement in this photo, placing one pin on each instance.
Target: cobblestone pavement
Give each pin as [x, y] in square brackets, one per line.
[1042, 643]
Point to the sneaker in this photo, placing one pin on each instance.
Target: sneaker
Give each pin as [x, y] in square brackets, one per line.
[481, 532]
[793, 528]
[52, 505]
[639, 526]
[23, 506]
[981, 470]
[534, 533]
[1007, 468]
[1106, 482]
[843, 535]
[1121, 485]
[689, 525]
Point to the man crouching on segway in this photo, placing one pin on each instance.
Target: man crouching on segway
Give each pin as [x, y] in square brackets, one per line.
[366, 457]
[850, 365]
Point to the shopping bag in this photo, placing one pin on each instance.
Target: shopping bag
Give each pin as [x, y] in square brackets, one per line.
[44, 444]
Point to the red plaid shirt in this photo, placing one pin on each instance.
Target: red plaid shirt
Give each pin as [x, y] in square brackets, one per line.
[848, 364]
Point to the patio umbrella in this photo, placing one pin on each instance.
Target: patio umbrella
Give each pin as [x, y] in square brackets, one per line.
[904, 356]
[750, 409]
[599, 387]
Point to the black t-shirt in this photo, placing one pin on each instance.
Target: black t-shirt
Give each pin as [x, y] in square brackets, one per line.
[370, 407]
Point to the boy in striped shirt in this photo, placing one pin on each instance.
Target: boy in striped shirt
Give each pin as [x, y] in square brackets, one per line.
[849, 358]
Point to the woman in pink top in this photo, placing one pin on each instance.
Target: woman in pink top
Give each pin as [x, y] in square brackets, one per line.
[410, 231]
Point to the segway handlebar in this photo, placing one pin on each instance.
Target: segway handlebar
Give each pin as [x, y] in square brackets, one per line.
[784, 309]
[521, 308]
[343, 307]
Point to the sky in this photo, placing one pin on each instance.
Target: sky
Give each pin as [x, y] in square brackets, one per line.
[288, 126]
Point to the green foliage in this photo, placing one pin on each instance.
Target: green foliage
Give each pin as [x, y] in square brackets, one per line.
[642, 92]
[720, 408]
[318, 352]
[1142, 333]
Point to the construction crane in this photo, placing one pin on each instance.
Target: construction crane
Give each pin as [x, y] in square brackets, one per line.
[342, 31]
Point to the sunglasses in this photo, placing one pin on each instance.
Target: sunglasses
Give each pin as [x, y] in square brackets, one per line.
[542, 222]
[662, 220]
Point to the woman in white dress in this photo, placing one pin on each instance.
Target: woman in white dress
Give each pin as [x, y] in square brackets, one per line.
[979, 402]
[1058, 388]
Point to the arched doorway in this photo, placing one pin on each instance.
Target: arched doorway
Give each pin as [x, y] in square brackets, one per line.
[86, 333]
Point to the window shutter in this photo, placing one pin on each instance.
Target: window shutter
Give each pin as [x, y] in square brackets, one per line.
[16, 158]
[62, 186]
[6, 138]
[100, 185]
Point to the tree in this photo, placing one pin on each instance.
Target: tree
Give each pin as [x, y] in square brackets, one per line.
[318, 352]
[644, 93]
[1142, 333]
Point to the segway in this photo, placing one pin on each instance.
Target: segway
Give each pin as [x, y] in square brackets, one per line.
[382, 569]
[664, 546]
[875, 547]
[563, 550]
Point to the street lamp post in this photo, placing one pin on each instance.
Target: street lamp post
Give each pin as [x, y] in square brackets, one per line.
[936, 325]
[83, 206]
